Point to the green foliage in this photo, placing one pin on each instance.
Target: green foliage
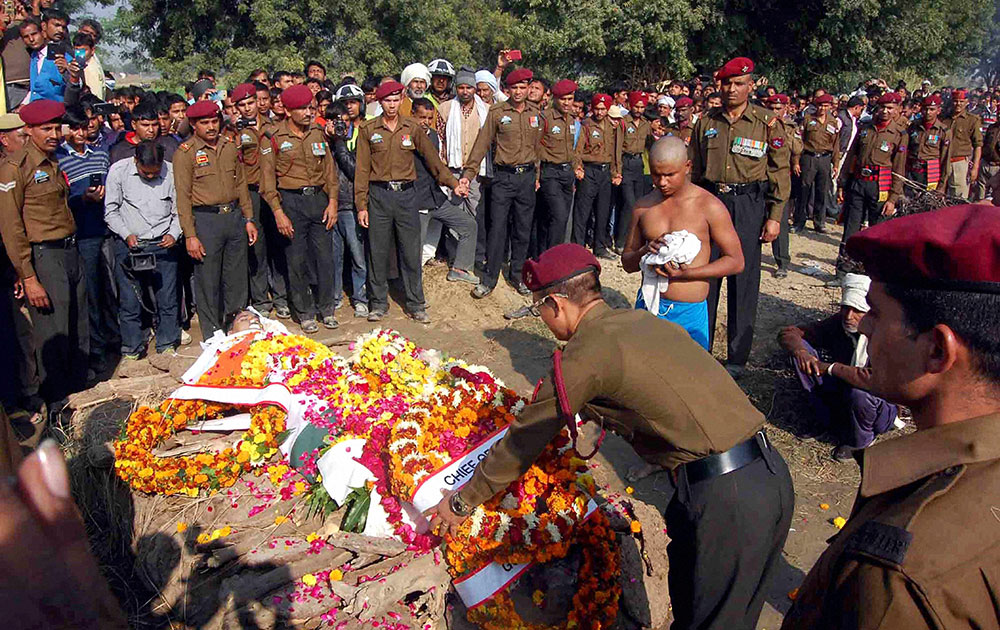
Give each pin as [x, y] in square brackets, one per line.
[357, 502]
[319, 503]
[808, 43]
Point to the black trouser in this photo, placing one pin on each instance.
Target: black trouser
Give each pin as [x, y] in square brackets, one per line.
[393, 212]
[556, 189]
[748, 214]
[726, 537]
[860, 204]
[593, 196]
[482, 222]
[633, 188]
[61, 334]
[260, 299]
[18, 377]
[310, 242]
[512, 203]
[779, 246]
[816, 183]
[221, 277]
[277, 257]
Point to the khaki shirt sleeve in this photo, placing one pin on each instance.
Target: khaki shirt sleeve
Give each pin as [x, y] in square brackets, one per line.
[873, 597]
[898, 168]
[616, 156]
[977, 132]
[778, 191]
[183, 177]
[15, 238]
[483, 141]
[432, 160]
[268, 175]
[243, 190]
[362, 171]
[696, 152]
[331, 183]
[588, 372]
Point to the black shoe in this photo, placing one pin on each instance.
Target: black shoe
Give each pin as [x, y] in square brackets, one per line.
[421, 316]
[518, 313]
[780, 272]
[481, 291]
[376, 315]
[606, 255]
[797, 229]
[843, 453]
[523, 289]
[820, 227]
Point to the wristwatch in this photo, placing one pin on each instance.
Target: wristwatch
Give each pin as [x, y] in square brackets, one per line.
[458, 506]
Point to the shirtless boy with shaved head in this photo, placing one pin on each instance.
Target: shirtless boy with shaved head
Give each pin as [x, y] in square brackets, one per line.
[674, 206]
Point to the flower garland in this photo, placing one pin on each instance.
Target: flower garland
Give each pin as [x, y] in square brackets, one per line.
[147, 427]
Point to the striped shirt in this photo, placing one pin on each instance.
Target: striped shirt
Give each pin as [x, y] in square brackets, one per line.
[78, 168]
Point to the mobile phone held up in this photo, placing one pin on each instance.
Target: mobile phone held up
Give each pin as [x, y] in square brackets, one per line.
[514, 55]
[80, 56]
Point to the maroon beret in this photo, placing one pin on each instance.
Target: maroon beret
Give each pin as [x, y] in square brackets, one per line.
[296, 96]
[242, 91]
[637, 99]
[933, 99]
[822, 98]
[564, 87]
[735, 68]
[683, 101]
[203, 109]
[558, 264]
[521, 74]
[960, 93]
[41, 112]
[599, 98]
[388, 89]
[890, 97]
[777, 98]
[951, 249]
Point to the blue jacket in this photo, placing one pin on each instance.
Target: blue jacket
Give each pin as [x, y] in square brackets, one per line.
[49, 83]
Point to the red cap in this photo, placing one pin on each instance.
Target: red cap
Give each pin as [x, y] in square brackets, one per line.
[296, 96]
[951, 249]
[637, 99]
[822, 98]
[777, 98]
[41, 112]
[735, 68]
[558, 264]
[242, 91]
[564, 87]
[203, 109]
[959, 94]
[683, 101]
[388, 89]
[890, 97]
[933, 99]
[600, 98]
[521, 74]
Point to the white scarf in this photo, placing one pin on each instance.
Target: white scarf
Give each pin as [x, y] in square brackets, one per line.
[453, 133]
[679, 247]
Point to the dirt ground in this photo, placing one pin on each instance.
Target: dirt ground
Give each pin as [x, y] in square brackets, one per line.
[519, 352]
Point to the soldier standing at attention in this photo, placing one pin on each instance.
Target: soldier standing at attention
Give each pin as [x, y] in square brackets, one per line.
[966, 144]
[820, 160]
[600, 154]
[383, 195]
[514, 126]
[216, 215]
[301, 187]
[636, 135]
[929, 143]
[557, 155]
[732, 155]
[922, 548]
[789, 153]
[647, 379]
[39, 235]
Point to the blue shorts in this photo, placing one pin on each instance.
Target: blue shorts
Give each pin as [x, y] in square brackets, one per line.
[691, 316]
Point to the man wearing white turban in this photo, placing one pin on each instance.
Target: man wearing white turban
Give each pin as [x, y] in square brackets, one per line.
[416, 77]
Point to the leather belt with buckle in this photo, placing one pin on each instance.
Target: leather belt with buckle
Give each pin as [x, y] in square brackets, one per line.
[633, 155]
[601, 166]
[515, 168]
[719, 464]
[818, 154]
[560, 166]
[395, 186]
[254, 187]
[221, 208]
[305, 190]
[58, 243]
[735, 189]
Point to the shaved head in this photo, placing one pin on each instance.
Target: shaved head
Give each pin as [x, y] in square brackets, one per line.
[668, 150]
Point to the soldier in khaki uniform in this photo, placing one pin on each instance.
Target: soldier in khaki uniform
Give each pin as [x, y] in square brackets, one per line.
[39, 234]
[820, 134]
[929, 144]
[966, 145]
[732, 155]
[921, 548]
[300, 185]
[557, 155]
[649, 381]
[788, 154]
[636, 137]
[869, 177]
[682, 125]
[599, 166]
[512, 128]
[383, 195]
[990, 165]
[216, 215]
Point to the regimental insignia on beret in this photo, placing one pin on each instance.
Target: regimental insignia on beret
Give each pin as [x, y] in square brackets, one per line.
[745, 68]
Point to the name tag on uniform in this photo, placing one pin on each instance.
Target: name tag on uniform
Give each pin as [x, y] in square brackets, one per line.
[201, 158]
[407, 141]
[319, 148]
[831, 129]
[505, 120]
[41, 177]
[376, 138]
[711, 133]
[533, 121]
[245, 140]
[285, 146]
[748, 147]
[557, 129]
[884, 146]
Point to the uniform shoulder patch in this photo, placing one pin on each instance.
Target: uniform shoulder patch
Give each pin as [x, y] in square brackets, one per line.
[882, 541]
